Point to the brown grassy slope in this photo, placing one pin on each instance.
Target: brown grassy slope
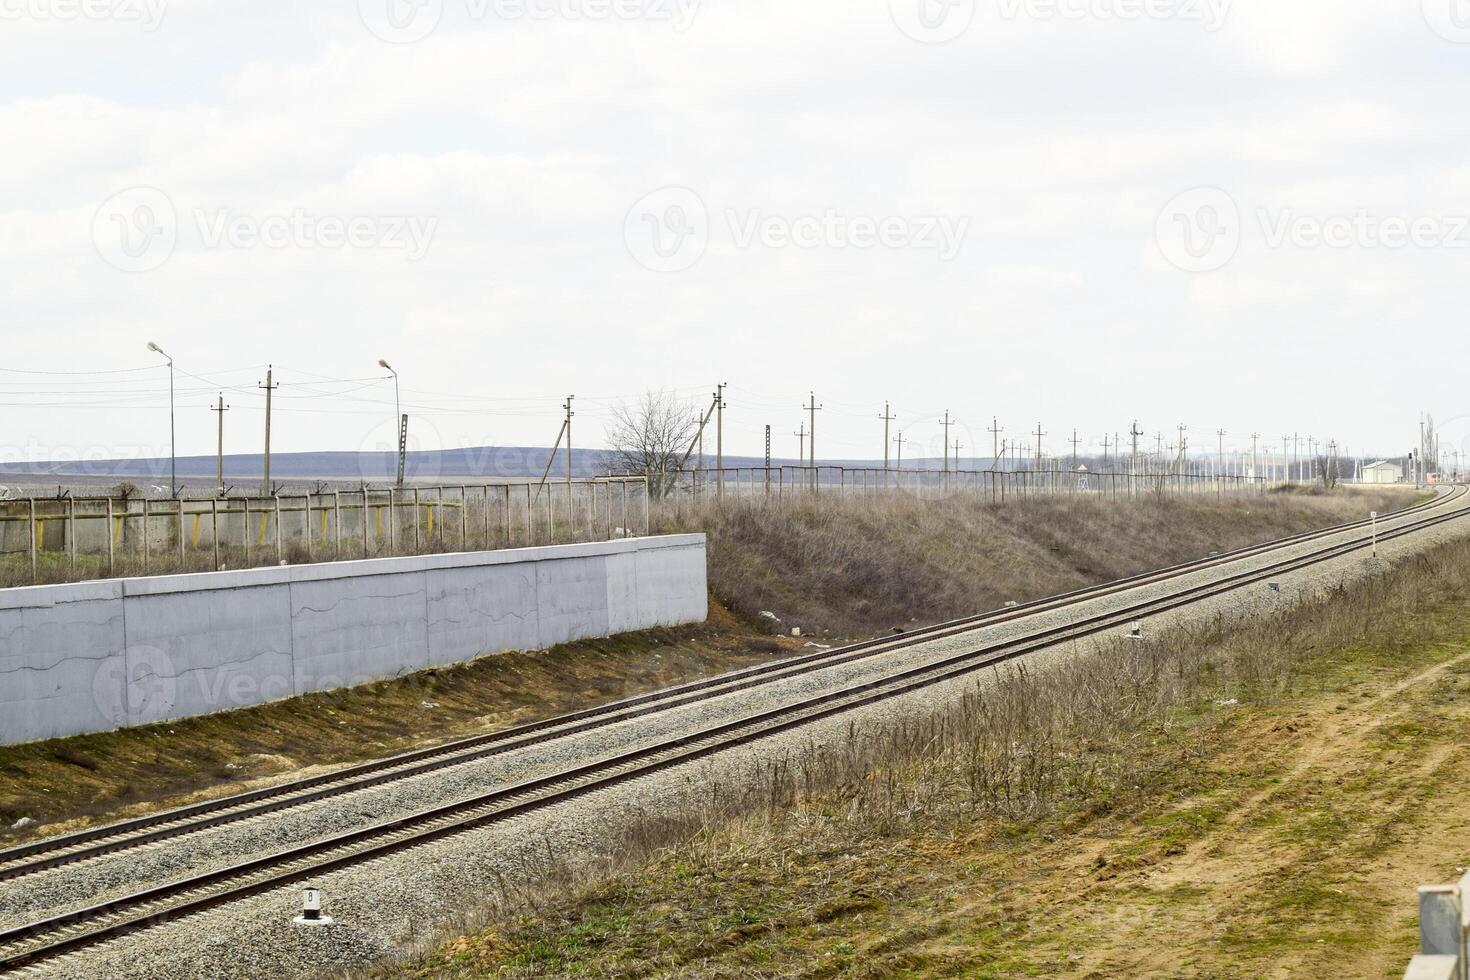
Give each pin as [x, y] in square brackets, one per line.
[862, 566]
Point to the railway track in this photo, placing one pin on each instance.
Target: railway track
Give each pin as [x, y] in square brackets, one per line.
[94, 842]
[43, 940]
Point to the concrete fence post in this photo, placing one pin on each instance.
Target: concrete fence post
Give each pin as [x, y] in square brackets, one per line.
[418, 512]
[337, 521]
[488, 545]
[392, 524]
[280, 537]
[245, 535]
[530, 532]
[111, 540]
[182, 559]
[507, 511]
[1424, 967]
[214, 528]
[71, 534]
[145, 535]
[364, 522]
[31, 524]
[306, 528]
[464, 527]
[1441, 924]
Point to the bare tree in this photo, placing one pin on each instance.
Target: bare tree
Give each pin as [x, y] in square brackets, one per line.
[1327, 469]
[648, 438]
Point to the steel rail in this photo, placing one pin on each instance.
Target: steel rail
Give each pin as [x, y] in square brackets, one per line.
[86, 927]
[172, 824]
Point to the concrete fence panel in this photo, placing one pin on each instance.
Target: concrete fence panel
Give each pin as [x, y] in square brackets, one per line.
[94, 656]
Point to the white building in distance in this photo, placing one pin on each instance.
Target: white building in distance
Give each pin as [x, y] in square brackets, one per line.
[1383, 472]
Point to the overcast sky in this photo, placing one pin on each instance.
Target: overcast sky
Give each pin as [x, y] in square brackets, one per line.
[1074, 212]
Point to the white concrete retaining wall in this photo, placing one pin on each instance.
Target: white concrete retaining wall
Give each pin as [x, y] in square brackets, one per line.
[96, 656]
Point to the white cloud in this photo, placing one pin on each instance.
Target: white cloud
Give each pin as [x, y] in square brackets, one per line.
[1059, 140]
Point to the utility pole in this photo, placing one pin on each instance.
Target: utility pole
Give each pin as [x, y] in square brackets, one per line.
[1135, 432]
[1107, 460]
[270, 388]
[173, 445]
[995, 431]
[768, 460]
[946, 423]
[887, 417]
[1074, 450]
[1219, 449]
[899, 439]
[402, 423]
[957, 448]
[566, 432]
[801, 443]
[220, 451]
[811, 444]
[1255, 461]
[1285, 464]
[720, 440]
[567, 406]
[1183, 449]
[1039, 435]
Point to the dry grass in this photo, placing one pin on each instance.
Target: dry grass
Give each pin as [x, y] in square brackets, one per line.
[816, 845]
[864, 565]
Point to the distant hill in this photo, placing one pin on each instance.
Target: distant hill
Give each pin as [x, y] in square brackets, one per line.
[482, 463]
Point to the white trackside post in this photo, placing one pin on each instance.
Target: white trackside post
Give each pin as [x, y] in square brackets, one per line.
[311, 909]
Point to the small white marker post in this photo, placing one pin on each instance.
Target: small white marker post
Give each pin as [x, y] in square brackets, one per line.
[311, 909]
[1375, 534]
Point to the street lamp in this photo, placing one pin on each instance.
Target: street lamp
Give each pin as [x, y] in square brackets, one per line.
[398, 416]
[173, 457]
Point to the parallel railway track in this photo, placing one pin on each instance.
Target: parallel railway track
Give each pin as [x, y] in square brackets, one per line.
[37, 942]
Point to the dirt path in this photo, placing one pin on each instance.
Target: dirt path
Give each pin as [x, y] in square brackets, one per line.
[1298, 858]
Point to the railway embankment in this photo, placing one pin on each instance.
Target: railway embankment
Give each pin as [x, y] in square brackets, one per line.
[812, 569]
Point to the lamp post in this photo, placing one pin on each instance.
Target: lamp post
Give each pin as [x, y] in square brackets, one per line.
[173, 458]
[397, 417]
